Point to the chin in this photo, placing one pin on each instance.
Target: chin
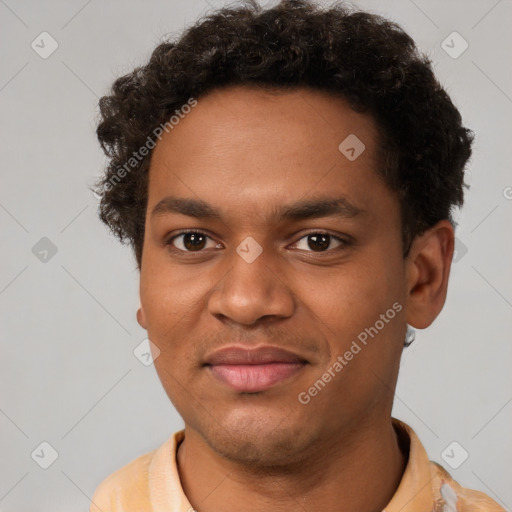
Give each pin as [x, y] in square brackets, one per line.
[259, 443]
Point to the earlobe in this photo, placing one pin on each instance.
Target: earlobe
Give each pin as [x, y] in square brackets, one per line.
[429, 265]
[141, 318]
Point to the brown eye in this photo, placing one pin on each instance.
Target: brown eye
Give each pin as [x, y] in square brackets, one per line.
[193, 241]
[189, 241]
[320, 242]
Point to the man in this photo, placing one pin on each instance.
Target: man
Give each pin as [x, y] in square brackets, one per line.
[286, 178]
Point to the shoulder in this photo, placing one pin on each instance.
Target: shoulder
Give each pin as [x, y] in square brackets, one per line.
[450, 496]
[125, 488]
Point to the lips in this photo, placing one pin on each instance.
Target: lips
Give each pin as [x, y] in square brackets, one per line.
[253, 370]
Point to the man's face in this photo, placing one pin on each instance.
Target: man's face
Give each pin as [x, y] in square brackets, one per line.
[307, 284]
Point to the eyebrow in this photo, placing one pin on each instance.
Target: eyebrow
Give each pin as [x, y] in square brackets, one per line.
[339, 207]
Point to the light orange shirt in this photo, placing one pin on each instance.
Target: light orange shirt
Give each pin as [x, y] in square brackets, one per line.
[151, 483]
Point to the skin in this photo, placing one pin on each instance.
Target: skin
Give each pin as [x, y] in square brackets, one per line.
[248, 152]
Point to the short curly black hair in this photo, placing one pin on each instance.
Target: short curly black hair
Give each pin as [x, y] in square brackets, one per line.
[363, 57]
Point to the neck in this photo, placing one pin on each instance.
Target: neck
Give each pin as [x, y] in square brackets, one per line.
[337, 477]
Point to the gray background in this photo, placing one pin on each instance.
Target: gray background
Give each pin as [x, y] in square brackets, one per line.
[68, 328]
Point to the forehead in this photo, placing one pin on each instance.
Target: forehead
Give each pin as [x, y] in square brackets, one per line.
[248, 146]
[254, 116]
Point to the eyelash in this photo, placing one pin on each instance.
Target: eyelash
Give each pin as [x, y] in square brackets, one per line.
[342, 241]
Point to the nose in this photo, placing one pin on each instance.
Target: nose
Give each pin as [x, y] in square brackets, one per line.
[251, 290]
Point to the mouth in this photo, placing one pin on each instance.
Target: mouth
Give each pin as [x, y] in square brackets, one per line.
[253, 370]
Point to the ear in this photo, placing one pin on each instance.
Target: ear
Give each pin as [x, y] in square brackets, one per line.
[428, 269]
[141, 318]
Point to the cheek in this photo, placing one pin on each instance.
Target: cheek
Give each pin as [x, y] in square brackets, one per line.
[165, 293]
[350, 295]
[359, 303]
[173, 301]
